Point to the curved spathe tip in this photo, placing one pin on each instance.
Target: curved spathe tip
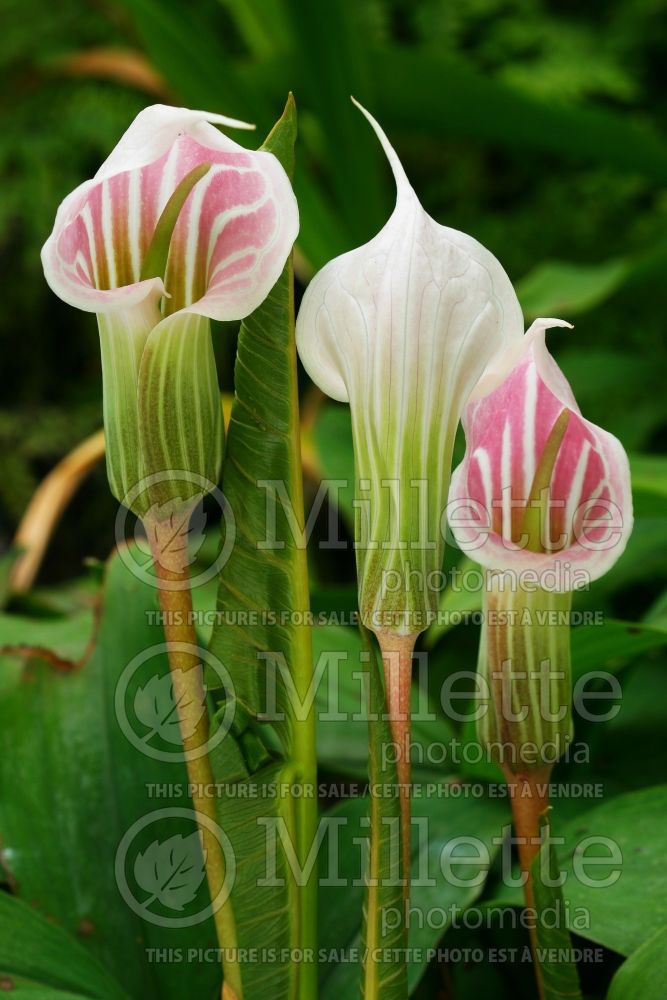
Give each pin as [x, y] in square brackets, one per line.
[534, 340]
[403, 185]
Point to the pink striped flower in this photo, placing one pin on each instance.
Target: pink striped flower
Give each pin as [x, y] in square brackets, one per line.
[179, 226]
[230, 241]
[540, 488]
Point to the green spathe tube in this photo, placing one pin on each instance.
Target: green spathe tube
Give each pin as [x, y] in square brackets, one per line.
[525, 710]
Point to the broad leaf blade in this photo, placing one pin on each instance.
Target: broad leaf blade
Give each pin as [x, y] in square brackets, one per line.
[645, 973]
[32, 947]
[72, 786]
[260, 635]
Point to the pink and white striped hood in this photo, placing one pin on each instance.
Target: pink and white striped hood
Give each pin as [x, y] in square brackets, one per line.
[507, 424]
[231, 239]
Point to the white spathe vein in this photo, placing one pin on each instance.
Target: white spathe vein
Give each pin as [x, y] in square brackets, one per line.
[134, 222]
[192, 234]
[87, 219]
[107, 234]
[529, 421]
[168, 179]
[223, 219]
[484, 466]
[506, 480]
[576, 485]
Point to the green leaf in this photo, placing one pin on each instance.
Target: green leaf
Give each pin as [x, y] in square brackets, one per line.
[268, 576]
[73, 785]
[342, 729]
[624, 913]
[555, 288]
[649, 474]
[443, 828]
[332, 437]
[383, 978]
[645, 972]
[456, 604]
[447, 97]
[63, 639]
[32, 947]
[327, 76]
[559, 973]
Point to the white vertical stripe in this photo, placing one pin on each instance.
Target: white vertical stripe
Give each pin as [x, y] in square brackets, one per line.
[506, 481]
[87, 219]
[484, 465]
[134, 221]
[529, 418]
[107, 234]
[192, 240]
[576, 486]
[168, 181]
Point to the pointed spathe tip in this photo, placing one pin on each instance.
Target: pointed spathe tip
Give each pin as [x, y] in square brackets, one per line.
[403, 186]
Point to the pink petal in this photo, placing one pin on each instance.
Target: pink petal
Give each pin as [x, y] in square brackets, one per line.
[506, 431]
[234, 235]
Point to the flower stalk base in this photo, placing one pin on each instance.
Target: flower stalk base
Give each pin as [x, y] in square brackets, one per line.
[396, 653]
[185, 665]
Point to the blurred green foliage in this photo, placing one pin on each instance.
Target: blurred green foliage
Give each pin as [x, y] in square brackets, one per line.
[534, 126]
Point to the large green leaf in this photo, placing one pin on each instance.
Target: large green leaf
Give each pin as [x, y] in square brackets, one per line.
[35, 949]
[72, 785]
[645, 972]
[443, 824]
[446, 96]
[555, 288]
[342, 729]
[624, 913]
[264, 601]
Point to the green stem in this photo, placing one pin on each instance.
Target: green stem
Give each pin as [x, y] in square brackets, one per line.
[185, 665]
[397, 653]
[304, 757]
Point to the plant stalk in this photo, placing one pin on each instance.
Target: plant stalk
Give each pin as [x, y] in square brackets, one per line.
[304, 751]
[185, 665]
[529, 797]
[396, 653]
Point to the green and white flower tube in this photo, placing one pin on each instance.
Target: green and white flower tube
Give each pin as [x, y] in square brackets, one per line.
[402, 329]
[179, 226]
[542, 500]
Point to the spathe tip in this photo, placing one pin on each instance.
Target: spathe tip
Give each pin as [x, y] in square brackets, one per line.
[403, 185]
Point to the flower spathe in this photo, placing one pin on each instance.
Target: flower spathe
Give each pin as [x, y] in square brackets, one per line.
[542, 500]
[402, 328]
[223, 251]
[586, 506]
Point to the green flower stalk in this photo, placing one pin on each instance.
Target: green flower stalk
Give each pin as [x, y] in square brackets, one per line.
[542, 500]
[402, 329]
[180, 226]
